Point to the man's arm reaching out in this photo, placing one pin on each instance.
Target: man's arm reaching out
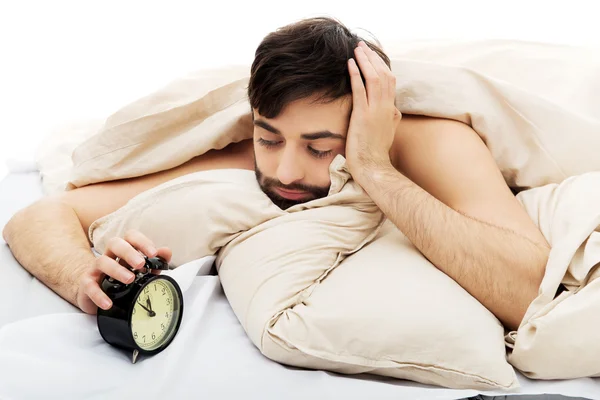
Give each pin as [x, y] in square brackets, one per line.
[49, 237]
[450, 199]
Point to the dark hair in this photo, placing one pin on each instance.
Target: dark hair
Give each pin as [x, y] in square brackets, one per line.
[302, 59]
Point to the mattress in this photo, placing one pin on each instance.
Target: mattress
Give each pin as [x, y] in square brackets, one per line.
[216, 358]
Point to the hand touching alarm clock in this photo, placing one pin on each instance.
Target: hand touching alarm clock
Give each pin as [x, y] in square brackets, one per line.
[119, 255]
[141, 310]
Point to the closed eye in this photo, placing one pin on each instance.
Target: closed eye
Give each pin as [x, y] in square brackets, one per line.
[274, 143]
[268, 143]
[319, 154]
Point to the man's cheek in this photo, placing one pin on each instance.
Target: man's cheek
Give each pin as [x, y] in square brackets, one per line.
[267, 166]
[324, 180]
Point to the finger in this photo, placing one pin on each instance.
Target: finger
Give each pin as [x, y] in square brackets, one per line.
[92, 289]
[392, 89]
[371, 76]
[376, 62]
[165, 253]
[388, 80]
[359, 94]
[89, 307]
[113, 269]
[118, 247]
[141, 242]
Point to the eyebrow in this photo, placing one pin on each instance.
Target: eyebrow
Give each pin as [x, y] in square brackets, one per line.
[309, 136]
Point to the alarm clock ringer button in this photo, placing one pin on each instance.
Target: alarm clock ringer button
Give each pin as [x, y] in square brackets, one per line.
[156, 263]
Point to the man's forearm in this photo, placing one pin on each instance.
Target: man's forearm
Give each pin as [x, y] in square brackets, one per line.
[48, 241]
[500, 268]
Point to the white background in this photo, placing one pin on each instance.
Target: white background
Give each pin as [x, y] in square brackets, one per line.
[64, 61]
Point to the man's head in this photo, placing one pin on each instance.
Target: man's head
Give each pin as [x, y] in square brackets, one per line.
[301, 100]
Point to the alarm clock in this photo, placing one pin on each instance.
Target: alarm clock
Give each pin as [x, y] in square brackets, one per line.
[145, 314]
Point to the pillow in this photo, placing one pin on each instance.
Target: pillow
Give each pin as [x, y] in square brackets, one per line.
[190, 214]
[384, 310]
[558, 338]
[192, 115]
[53, 154]
[199, 213]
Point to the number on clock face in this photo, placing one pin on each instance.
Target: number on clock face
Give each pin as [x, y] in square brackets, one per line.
[154, 316]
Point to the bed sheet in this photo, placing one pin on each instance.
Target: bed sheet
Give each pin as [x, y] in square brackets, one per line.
[211, 357]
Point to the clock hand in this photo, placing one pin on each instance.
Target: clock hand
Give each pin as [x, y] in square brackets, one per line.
[148, 303]
[150, 312]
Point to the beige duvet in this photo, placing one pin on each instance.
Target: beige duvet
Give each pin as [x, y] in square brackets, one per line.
[327, 285]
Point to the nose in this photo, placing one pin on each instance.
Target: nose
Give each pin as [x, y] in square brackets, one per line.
[290, 169]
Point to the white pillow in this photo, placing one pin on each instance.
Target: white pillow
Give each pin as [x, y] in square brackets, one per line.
[384, 310]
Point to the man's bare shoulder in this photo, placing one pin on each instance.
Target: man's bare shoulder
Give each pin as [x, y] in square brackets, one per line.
[236, 155]
[425, 123]
[437, 154]
[412, 126]
[451, 161]
[419, 138]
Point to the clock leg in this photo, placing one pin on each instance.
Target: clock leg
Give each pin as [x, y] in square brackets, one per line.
[134, 357]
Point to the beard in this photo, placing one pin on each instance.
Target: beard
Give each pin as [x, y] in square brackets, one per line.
[268, 185]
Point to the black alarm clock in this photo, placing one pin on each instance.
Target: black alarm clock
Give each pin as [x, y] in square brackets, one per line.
[145, 314]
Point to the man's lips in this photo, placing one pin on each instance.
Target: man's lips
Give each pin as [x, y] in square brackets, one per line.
[291, 194]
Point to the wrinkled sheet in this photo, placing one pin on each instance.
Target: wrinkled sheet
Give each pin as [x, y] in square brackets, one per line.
[558, 335]
[50, 350]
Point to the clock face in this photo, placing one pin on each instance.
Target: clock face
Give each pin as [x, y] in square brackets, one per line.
[155, 314]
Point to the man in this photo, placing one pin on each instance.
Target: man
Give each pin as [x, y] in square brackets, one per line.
[433, 178]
